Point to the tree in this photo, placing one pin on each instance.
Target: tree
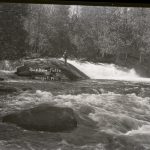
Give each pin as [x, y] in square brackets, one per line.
[48, 28]
[13, 35]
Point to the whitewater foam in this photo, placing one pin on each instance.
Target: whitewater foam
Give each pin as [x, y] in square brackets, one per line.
[108, 71]
[145, 129]
[109, 110]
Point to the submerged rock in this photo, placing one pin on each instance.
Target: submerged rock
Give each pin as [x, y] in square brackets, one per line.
[131, 90]
[144, 92]
[44, 118]
[7, 90]
[1, 79]
[50, 69]
[85, 109]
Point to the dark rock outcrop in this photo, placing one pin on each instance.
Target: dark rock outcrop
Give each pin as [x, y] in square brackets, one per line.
[7, 89]
[1, 79]
[67, 72]
[44, 118]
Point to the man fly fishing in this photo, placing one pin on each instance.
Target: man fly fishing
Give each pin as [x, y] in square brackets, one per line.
[65, 56]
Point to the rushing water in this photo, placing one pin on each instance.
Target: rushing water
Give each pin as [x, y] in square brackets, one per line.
[107, 120]
[108, 71]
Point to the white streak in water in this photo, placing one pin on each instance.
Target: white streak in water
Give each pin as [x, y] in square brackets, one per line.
[145, 129]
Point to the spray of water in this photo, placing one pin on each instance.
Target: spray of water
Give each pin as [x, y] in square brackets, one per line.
[107, 71]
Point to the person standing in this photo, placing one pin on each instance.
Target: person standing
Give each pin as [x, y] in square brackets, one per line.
[65, 56]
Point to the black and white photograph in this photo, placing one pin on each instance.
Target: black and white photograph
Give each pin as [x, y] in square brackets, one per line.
[74, 77]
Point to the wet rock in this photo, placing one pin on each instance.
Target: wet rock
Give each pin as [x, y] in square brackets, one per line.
[82, 90]
[27, 89]
[7, 90]
[23, 71]
[145, 92]
[44, 118]
[1, 79]
[86, 109]
[131, 90]
[50, 69]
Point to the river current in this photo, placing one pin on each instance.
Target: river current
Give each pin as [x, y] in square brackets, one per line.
[107, 119]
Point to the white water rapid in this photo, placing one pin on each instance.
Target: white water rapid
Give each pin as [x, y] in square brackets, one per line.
[107, 71]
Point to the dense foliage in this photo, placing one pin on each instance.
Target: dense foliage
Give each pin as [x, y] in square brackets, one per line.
[101, 34]
[13, 35]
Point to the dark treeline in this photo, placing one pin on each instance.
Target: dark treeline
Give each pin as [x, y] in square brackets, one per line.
[13, 36]
[93, 33]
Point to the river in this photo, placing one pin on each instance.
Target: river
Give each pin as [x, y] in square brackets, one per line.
[113, 106]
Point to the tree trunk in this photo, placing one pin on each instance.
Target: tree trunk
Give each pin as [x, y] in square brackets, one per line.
[140, 59]
[117, 57]
[103, 54]
[126, 57]
[38, 30]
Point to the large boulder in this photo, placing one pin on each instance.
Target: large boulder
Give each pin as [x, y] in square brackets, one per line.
[44, 118]
[49, 69]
